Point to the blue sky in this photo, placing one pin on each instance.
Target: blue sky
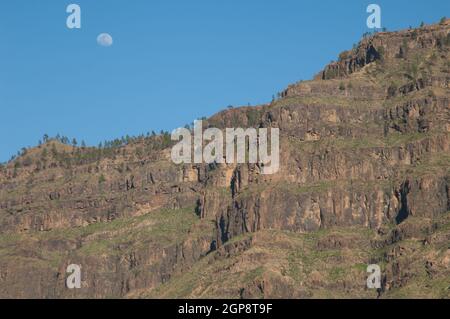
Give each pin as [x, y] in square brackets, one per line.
[172, 60]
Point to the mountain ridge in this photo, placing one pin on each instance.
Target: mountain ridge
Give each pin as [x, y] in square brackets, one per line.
[364, 179]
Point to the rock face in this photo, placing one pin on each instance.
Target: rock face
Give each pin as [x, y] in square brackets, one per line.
[364, 178]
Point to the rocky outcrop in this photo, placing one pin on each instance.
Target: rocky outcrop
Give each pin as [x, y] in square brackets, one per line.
[364, 178]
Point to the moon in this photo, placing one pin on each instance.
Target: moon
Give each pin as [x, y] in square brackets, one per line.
[104, 40]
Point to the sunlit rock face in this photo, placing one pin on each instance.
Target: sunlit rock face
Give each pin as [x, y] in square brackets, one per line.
[364, 179]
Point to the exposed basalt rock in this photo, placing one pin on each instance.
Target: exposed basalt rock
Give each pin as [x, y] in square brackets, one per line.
[383, 46]
[330, 206]
[418, 115]
[364, 178]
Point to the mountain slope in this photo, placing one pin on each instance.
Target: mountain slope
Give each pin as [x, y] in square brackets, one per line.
[364, 178]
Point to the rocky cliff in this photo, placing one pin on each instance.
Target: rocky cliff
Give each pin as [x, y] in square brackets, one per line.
[364, 178]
